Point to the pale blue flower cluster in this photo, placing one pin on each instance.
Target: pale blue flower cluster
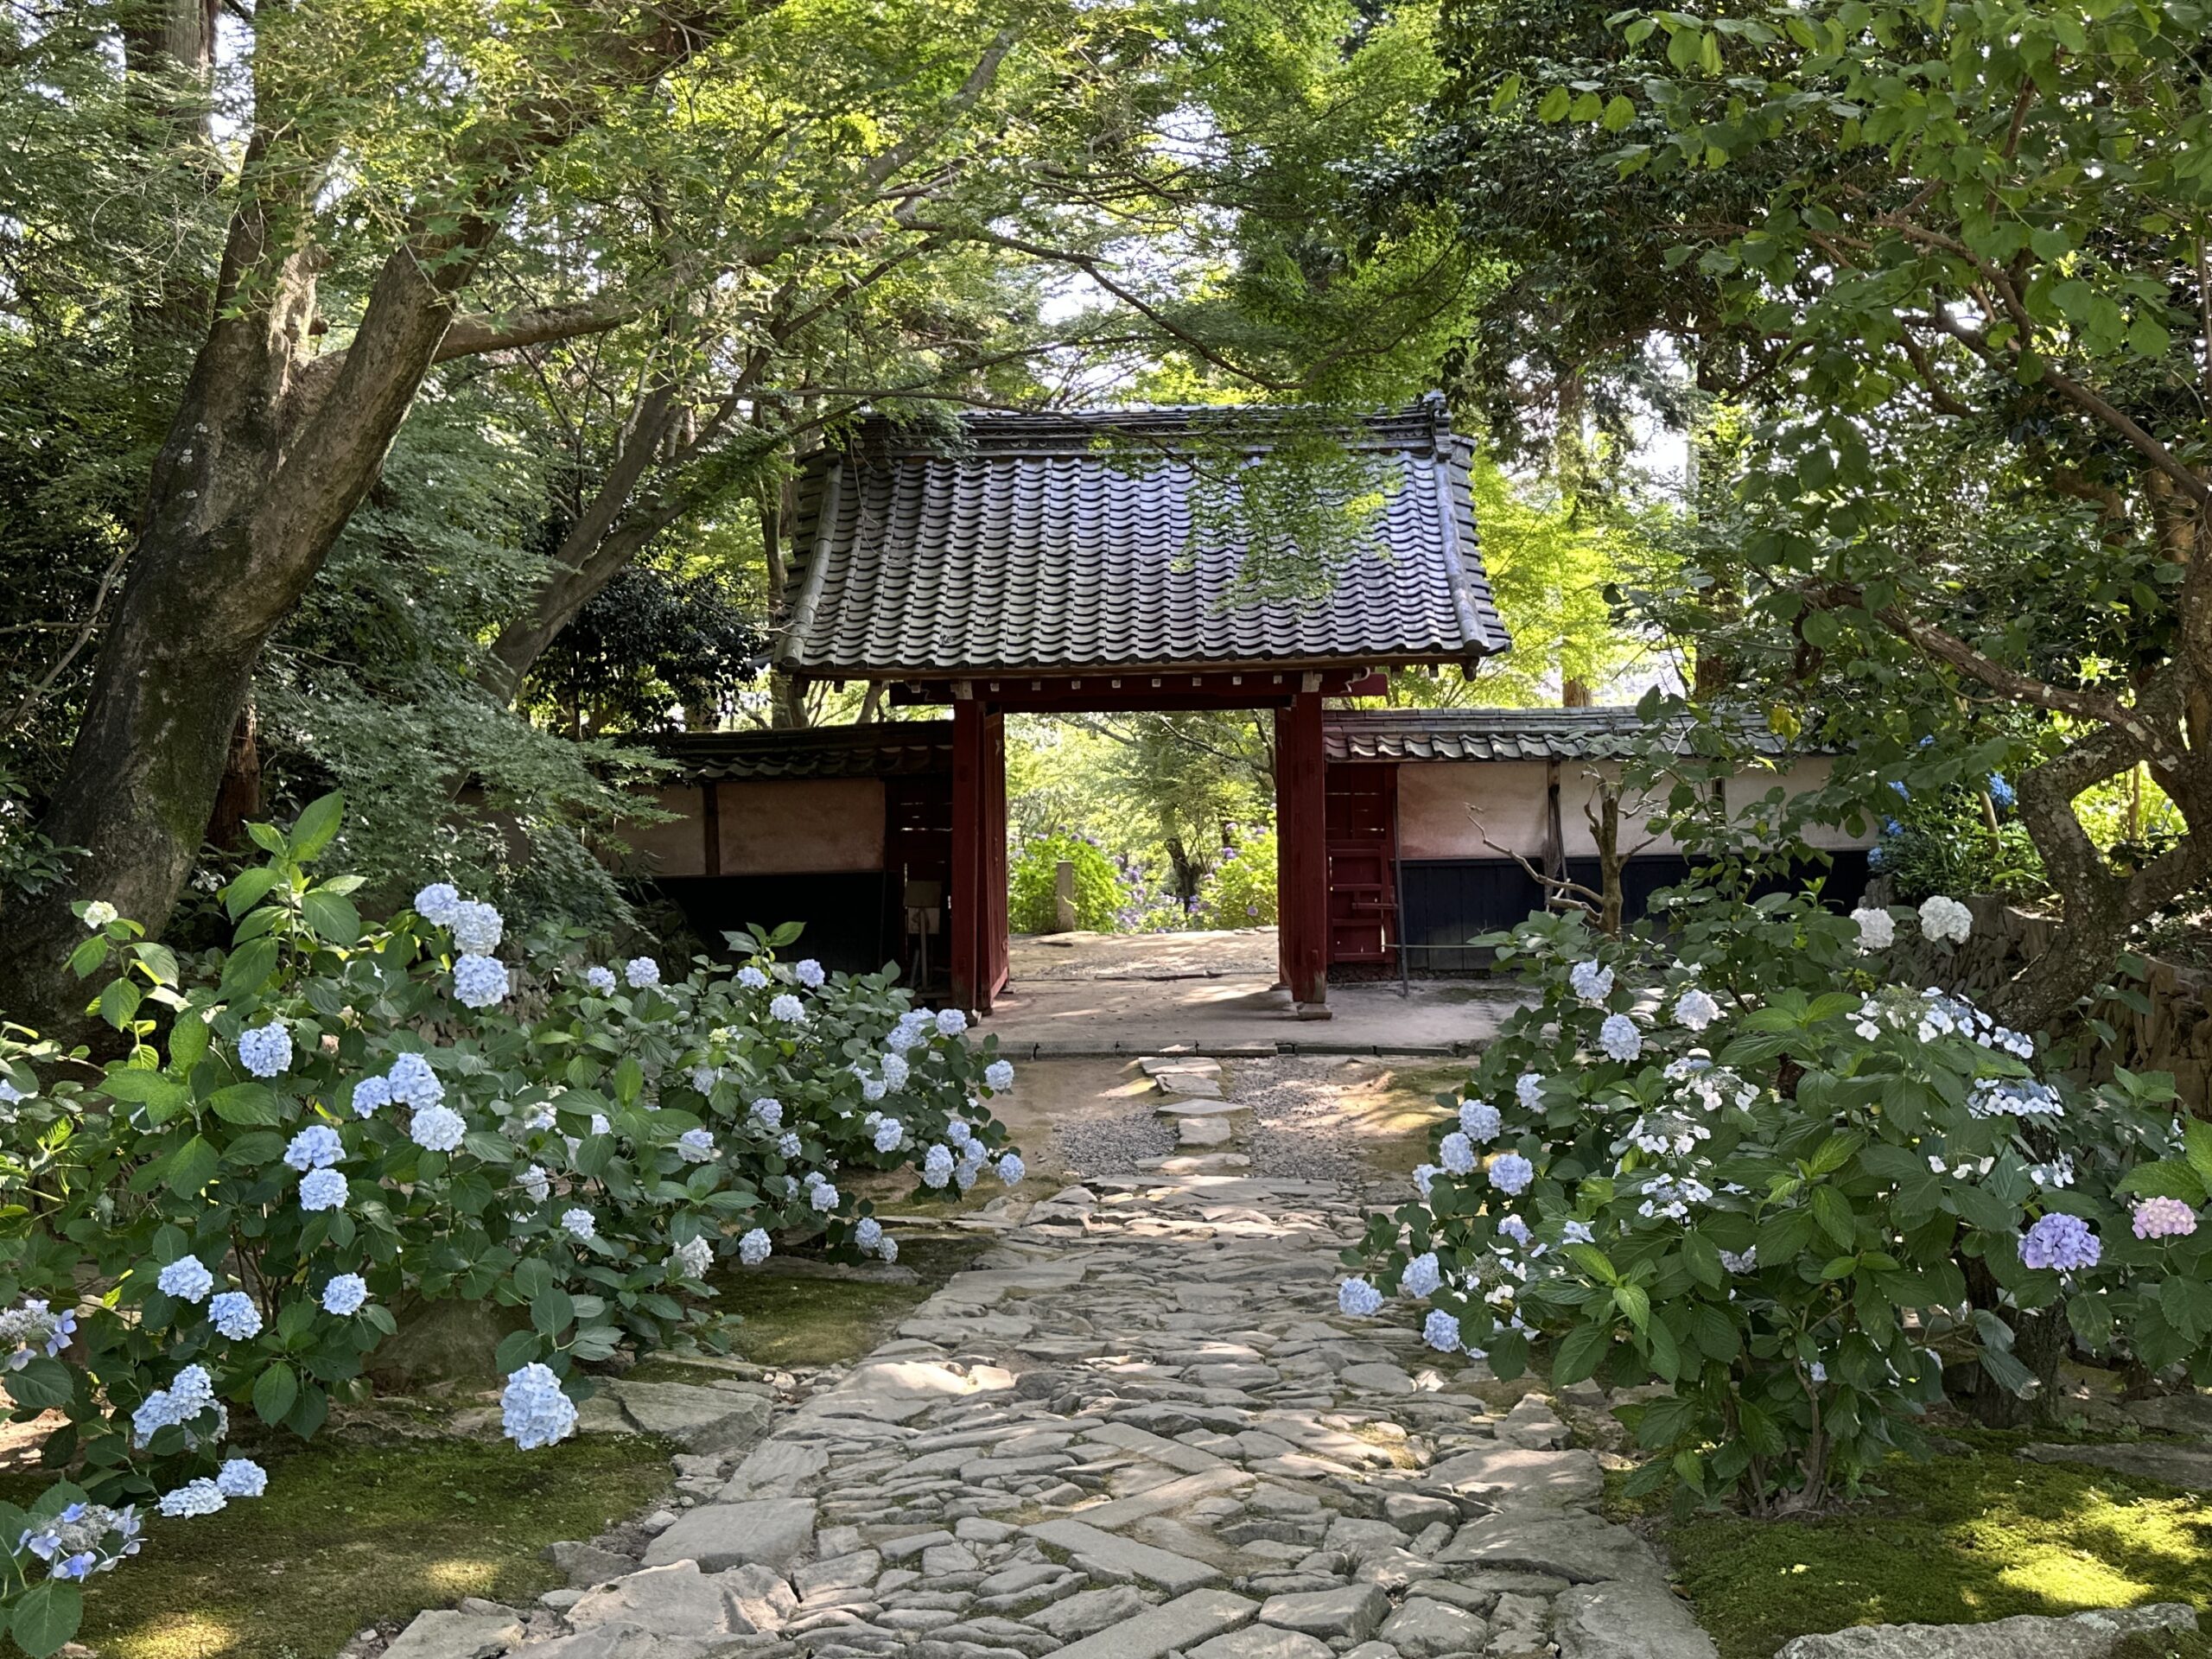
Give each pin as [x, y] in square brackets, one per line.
[322, 1189]
[437, 1128]
[536, 1182]
[1479, 1120]
[194, 1497]
[1529, 1089]
[476, 928]
[937, 1166]
[1458, 1154]
[809, 972]
[316, 1146]
[1510, 1173]
[692, 1257]
[599, 979]
[641, 973]
[577, 1223]
[345, 1294]
[436, 903]
[1440, 1331]
[752, 978]
[1746, 1261]
[1591, 981]
[753, 1249]
[186, 1278]
[1696, 1009]
[2062, 1243]
[1011, 1169]
[1619, 1038]
[950, 1022]
[769, 1111]
[480, 981]
[234, 1313]
[998, 1076]
[888, 1134]
[84, 1539]
[412, 1081]
[1358, 1298]
[533, 1411]
[34, 1328]
[371, 1095]
[266, 1051]
[868, 1234]
[191, 1394]
[788, 1008]
[787, 1145]
[1421, 1276]
[896, 1071]
[241, 1477]
[695, 1146]
[820, 1193]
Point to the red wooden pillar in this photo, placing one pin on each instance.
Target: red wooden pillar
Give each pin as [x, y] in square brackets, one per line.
[977, 949]
[1302, 849]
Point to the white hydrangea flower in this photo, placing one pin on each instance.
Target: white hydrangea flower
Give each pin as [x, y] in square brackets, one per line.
[345, 1295]
[316, 1146]
[1529, 1089]
[437, 1128]
[1878, 930]
[1358, 1298]
[752, 978]
[599, 1125]
[201, 1496]
[265, 1051]
[1011, 1169]
[788, 1145]
[1479, 1121]
[1421, 1277]
[1696, 1009]
[809, 972]
[1590, 981]
[950, 1022]
[888, 1134]
[533, 1411]
[187, 1279]
[788, 1008]
[100, 914]
[1747, 1262]
[1619, 1038]
[822, 1196]
[233, 1313]
[1424, 1175]
[241, 1477]
[480, 981]
[535, 1181]
[1458, 1154]
[436, 903]
[578, 1224]
[322, 1189]
[641, 972]
[693, 1257]
[888, 1250]
[753, 1248]
[600, 979]
[896, 1071]
[998, 1076]
[477, 928]
[695, 1146]
[1510, 1173]
[1946, 920]
[937, 1165]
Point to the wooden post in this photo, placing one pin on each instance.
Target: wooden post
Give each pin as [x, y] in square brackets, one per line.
[994, 954]
[1302, 851]
[965, 909]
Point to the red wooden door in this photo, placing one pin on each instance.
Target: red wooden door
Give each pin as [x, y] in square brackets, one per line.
[1362, 836]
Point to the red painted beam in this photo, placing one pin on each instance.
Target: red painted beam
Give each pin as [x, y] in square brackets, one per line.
[1302, 849]
[965, 908]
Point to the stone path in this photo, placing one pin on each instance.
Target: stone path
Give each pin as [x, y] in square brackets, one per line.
[1139, 1429]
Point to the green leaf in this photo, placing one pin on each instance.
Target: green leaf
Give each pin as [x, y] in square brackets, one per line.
[158, 961]
[333, 918]
[1580, 1352]
[1591, 1260]
[248, 888]
[1618, 113]
[194, 1166]
[188, 1040]
[163, 1095]
[1506, 95]
[2006, 1371]
[1554, 104]
[1832, 1210]
[46, 1617]
[252, 1104]
[552, 1310]
[1635, 1303]
[2170, 1178]
[248, 968]
[84, 960]
[273, 1391]
[317, 822]
[2196, 1143]
[43, 1384]
[269, 838]
[516, 1349]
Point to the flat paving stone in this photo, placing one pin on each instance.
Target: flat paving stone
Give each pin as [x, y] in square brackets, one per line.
[1183, 1623]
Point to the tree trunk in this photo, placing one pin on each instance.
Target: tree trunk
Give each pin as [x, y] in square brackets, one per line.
[238, 798]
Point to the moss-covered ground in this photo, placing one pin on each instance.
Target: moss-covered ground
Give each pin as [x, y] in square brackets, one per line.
[824, 1321]
[348, 1535]
[1962, 1539]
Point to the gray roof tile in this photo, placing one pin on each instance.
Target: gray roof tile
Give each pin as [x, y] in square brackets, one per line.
[1504, 733]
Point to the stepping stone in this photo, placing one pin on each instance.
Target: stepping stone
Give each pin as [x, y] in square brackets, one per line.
[1512, 1477]
[1263, 1641]
[1154, 1065]
[1355, 1611]
[458, 1635]
[1633, 1620]
[1202, 1108]
[1108, 1556]
[1158, 1500]
[773, 1531]
[1202, 1132]
[699, 1420]
[1183, 1623]
[676, 1600]
[1186, 1083]
[1088, 1612]
[2177, 1466]
[775, 1470]
[1197, 1163]
[1573, 1546]
[1425, 1629]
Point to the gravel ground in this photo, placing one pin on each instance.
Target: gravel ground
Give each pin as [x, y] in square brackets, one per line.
[1296, 1133]
[1112, 1146]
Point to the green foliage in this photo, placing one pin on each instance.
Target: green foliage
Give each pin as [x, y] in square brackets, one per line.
[1974, 1535]
[1761, 1175]
[1240, 890]
[627, 1101]
[1032, 885]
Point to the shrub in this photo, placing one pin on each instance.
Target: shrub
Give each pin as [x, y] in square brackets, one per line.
[330, 1120]
[1240, 890]
[1032, 886]
[1735, 1161]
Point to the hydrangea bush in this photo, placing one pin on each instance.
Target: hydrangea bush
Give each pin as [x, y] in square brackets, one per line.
[1733, 1158]
[335, 1120]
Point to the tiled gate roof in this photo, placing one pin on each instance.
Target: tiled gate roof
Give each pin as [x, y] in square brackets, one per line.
[1059, 542]
[1505, 734]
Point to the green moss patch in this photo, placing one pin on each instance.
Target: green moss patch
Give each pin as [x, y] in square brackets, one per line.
[810, 1321]
[1962, 1539]
[348, 1536]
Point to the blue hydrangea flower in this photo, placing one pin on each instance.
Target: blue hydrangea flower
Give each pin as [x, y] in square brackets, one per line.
[787, 1145]
[533, 1411]
[641, 972]
[1510, 1173]
[186, 1278]
[809, 972]
[1529, 1089]
[578, 1224]
[241, 1477]
[770, 1111]
[937, 1165]
[1590, 981]
[1440, 1331]
[477, 928]
[480, 981]
[888, 1134]
[788, 1008]
[896, 1071]
[370, 1093]
[998, 1076]
[345, 1294]
[266, 1051]
[201, 1496]
[695, 1146]
[1619, 1038]
[2061, 1242]
[950, 1022]
[753, 1249]
[1011, 1169]
[599, 979]
[412, 1080]
[437, 1128]
[822, 1196]
[2002, 792]
[692, 1258]
[1358, 1298]
[235, 1315]
[1421, 1276]
[436, 903]
[1696, 1009]
[322, 1189]
[1479, 1121]
[316, 1146]
[752, 978]
[868, 1234]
